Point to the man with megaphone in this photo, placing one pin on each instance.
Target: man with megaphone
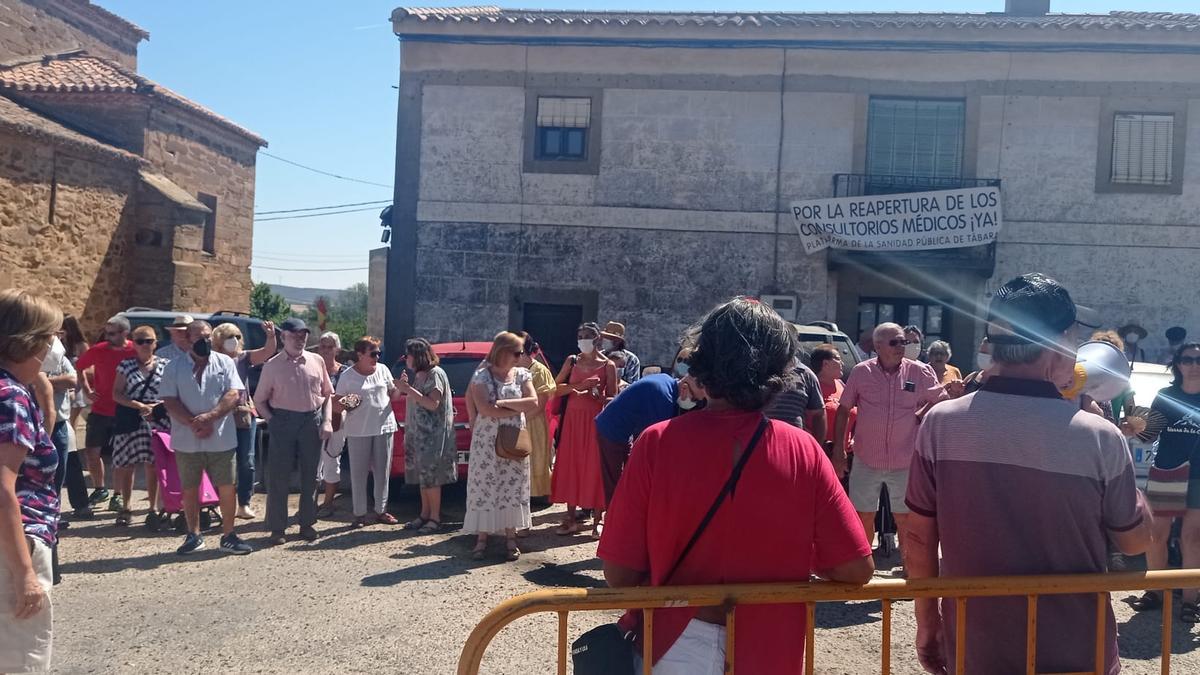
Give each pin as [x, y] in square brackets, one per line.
[1014, 479]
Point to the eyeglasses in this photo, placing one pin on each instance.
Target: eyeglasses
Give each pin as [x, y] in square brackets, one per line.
[144, 341]
[375, 354]
[236, 337]
[114, 334]
[518, 353]
[896, 342]
[1189, 360]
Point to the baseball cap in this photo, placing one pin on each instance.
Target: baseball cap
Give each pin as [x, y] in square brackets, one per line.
[294, 325]
[1030, 309]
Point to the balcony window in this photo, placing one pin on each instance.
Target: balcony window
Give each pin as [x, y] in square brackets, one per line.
[915, 137]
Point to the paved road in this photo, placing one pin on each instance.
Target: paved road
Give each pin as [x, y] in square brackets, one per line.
[379, 600]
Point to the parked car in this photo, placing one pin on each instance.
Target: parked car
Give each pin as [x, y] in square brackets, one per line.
[460, 360]
[253, 334]
[1147, 380]
[820, 333]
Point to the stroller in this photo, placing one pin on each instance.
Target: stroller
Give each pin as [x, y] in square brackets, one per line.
[170, 493]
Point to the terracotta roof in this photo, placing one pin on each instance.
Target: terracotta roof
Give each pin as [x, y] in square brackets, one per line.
[80, 72]
[496, 15]
[22, 121]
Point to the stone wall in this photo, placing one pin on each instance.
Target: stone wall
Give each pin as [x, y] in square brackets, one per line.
[196, 156]
[32, 27]
[64, 228]
[377, 291]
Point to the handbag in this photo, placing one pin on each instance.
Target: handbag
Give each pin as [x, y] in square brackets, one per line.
[128, 420]
[513, 443]
[562, 406]
[606, 649]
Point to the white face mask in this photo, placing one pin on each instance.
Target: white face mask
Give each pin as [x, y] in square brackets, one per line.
[606, 345]
[586, 346]
[1132, 338]
[912, 351]
[231, 345]
[983, 361]
[686, 403]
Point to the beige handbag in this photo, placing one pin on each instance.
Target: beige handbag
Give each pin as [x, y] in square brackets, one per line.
[513, 443]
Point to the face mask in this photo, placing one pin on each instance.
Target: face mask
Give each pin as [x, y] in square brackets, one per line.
[586, 346]
[912, 351]
[682, 369]
[686, 403]
[202, 347]
[231, 345]
[1132, 338]
[606, 345]
[983, 361]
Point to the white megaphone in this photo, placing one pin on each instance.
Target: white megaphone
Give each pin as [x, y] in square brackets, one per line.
[1101, 371]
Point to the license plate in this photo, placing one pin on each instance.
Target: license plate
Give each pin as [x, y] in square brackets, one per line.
[1138, 455]
[462, 457]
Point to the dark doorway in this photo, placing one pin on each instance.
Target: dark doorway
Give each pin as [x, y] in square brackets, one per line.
[553, 326]
[931, 316]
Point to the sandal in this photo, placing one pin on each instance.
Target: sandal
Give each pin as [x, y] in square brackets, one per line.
[124, 516]
[1148, 602]
[1189, 612]
[430, 527]
[415, 524]
[479, 550]
[514, 553]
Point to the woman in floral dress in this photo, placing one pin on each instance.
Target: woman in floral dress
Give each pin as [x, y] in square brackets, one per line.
[430, 454]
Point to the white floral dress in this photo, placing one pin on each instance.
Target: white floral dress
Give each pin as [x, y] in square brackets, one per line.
[497, 489]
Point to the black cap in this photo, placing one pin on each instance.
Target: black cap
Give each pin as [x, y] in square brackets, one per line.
[294, 325]
[1031, 309]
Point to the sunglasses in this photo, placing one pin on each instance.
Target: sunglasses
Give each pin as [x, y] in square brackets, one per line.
[896, 342]
[375, 354]
[144, 341]
[236, 337]
[1189, 360]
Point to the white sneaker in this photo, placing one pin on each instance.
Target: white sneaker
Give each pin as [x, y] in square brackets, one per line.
[246, 513]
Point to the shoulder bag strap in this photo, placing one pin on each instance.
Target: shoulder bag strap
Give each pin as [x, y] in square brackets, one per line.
[728, 489]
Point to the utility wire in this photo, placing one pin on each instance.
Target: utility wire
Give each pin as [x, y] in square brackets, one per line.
[305, 269]
[323, 173]
[312, 215]
[309, 258]
[321, 208]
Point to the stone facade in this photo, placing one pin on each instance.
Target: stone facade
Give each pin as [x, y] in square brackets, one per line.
[134, 215]
[701, 148]
[51, 26]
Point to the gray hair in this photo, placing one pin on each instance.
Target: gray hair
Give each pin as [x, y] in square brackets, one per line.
[330, 335]
[118, 320]
[886, 328]
[198, 325]
[1016, 354]
[941, 346]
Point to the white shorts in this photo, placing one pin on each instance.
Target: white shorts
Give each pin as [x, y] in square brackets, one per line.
[25, 643]
[329, 469]
[865, 484]
[700, 650]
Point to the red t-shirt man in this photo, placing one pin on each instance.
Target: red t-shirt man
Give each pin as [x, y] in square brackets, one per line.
[787, 517]
[104, 357]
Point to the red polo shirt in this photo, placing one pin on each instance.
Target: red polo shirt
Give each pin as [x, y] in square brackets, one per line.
[104, 357]
[787, 517]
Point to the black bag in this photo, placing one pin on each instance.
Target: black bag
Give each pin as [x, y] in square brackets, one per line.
[129, 420]
[606, 650]
[562, 406]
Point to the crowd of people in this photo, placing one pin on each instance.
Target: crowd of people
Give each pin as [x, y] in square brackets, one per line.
[746, 444]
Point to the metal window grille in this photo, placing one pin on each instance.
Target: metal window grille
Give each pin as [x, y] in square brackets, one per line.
[1142, 148]
[566, 113]
[915, 137]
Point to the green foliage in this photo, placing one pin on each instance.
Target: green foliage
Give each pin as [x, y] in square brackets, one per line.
[267, 304]
[347, 316]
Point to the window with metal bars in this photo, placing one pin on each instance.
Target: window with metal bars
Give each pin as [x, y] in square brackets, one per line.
[562, 127]
[1143, 145]
[915, 137]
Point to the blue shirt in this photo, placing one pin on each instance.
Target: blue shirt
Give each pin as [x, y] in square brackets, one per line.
[217, 378]
[648, 401]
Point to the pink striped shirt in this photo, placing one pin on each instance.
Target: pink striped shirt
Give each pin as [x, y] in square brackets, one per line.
[885, 434]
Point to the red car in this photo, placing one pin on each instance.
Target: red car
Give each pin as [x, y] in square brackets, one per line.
[459, 360]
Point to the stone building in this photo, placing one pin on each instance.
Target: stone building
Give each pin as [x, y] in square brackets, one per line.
[640, 167]
[114, 190]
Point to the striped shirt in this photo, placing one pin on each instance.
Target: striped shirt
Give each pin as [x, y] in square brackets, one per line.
[886, 431]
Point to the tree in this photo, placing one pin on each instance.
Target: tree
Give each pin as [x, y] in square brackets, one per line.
[267, 304]
[346, 316]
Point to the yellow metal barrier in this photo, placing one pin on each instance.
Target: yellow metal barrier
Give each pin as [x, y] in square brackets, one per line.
[887, 591]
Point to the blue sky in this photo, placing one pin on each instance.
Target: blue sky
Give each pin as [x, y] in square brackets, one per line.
[316, 79]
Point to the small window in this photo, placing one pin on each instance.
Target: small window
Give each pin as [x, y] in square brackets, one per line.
[210, 222]
[562, 128]
[1142, 148]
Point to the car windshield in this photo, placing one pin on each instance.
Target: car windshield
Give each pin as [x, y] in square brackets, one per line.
[1147, 380]
[810, 341]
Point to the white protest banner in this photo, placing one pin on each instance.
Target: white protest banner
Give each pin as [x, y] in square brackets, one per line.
[900, 222]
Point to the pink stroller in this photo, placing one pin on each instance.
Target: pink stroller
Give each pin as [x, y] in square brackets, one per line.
[170, 493]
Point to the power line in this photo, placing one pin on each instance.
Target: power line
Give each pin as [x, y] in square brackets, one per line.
[321, 208]
[323, 173]
[299, 269]
[310, 258]
[312, 215]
